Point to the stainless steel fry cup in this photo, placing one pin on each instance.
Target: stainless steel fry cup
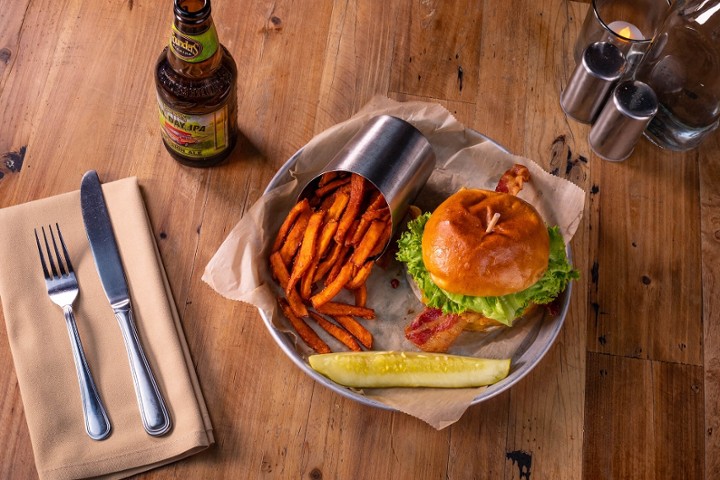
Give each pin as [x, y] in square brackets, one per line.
[391, 154]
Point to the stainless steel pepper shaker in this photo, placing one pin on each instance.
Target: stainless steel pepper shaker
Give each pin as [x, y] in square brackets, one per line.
[601, 66]
[622, 121]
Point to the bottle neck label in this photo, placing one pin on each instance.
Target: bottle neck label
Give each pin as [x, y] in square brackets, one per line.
[194, 48]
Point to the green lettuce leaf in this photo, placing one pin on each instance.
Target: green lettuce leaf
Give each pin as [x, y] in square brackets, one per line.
[504, 309]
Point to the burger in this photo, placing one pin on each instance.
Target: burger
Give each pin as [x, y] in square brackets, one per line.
[482, 259]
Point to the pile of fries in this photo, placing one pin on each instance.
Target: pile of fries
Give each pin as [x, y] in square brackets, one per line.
[328, 242]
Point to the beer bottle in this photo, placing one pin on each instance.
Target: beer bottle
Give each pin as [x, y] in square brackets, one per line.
[196, 79]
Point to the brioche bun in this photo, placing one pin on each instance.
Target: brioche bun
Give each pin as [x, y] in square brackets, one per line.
[463, 257]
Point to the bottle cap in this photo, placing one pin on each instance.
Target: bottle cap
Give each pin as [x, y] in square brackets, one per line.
[623, 119]
[602, 65]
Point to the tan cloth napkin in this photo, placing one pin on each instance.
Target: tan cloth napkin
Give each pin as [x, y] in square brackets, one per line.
[41, 348]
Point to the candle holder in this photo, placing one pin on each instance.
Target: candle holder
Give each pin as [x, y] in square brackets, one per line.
[628, 24]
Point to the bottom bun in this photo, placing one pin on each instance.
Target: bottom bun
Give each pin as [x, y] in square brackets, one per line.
[476, 322]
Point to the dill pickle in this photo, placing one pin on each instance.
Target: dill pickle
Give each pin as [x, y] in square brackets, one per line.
[409, 369]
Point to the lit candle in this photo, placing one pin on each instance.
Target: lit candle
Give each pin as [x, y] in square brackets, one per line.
[626, 30]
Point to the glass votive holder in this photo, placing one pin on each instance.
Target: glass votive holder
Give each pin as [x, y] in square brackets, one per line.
[629, 24]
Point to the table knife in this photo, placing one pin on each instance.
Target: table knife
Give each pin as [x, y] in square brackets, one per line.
[105, 251]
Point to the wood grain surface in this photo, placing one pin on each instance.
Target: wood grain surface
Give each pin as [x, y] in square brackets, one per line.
[630, 389]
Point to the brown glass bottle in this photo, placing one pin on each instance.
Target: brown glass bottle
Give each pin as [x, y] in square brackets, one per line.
[196, 80]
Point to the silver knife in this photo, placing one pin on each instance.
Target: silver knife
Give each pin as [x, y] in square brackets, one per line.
[99, 230]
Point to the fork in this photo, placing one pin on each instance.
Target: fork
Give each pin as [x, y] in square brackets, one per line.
[63, 288]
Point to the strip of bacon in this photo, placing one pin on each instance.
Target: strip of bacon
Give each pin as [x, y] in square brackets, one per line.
[512, 181]
[433, 331]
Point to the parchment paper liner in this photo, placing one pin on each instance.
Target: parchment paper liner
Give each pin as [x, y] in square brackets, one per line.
[239, 268]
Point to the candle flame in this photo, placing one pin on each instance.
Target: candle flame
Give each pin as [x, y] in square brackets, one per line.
[625, 32]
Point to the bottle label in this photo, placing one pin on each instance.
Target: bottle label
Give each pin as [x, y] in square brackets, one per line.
[194, 48]
[195, 136]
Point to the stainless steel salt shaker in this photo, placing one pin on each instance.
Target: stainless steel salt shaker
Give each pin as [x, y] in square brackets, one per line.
[601, 66]
[622, 121]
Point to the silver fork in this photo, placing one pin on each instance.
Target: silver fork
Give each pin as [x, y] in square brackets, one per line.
[62, 287]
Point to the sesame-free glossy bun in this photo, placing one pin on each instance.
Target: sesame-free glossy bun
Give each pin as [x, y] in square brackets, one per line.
[463, 258]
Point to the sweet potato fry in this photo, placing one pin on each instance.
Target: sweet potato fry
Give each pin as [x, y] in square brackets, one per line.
[307, 252]
[354, 327]
[359, 232]
[323, 204]
[339, 333]
[281, 274]
[306, 282]
[331, 186]
[327, 263]
[366, 246]
[292, 215]
[296, 303]
[379, 214]
[328, 177]
[360, 295]
[361, 275]
[339, 263]
[331, 224]
[377, 201]
[371, 213]
[340, 201]
[357, 192]
[326, 237]
[337, 308]
[294, 238]
[348, 237]
[279, 270]
[382, 242]
[334, 287]
[303, 329]
[365, 221]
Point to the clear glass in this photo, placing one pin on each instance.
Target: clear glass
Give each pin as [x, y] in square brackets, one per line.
[628, 24]
[683, 67]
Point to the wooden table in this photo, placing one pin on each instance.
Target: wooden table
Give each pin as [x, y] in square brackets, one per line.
[630, 388]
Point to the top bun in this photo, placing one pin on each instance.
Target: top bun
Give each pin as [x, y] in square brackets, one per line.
[462, 257]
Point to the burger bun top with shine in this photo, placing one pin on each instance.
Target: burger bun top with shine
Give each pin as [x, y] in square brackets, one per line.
[462, 257]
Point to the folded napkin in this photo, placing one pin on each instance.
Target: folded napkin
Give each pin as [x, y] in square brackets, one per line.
[43, 359]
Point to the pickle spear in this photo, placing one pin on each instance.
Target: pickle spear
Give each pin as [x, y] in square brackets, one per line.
[409, 369]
